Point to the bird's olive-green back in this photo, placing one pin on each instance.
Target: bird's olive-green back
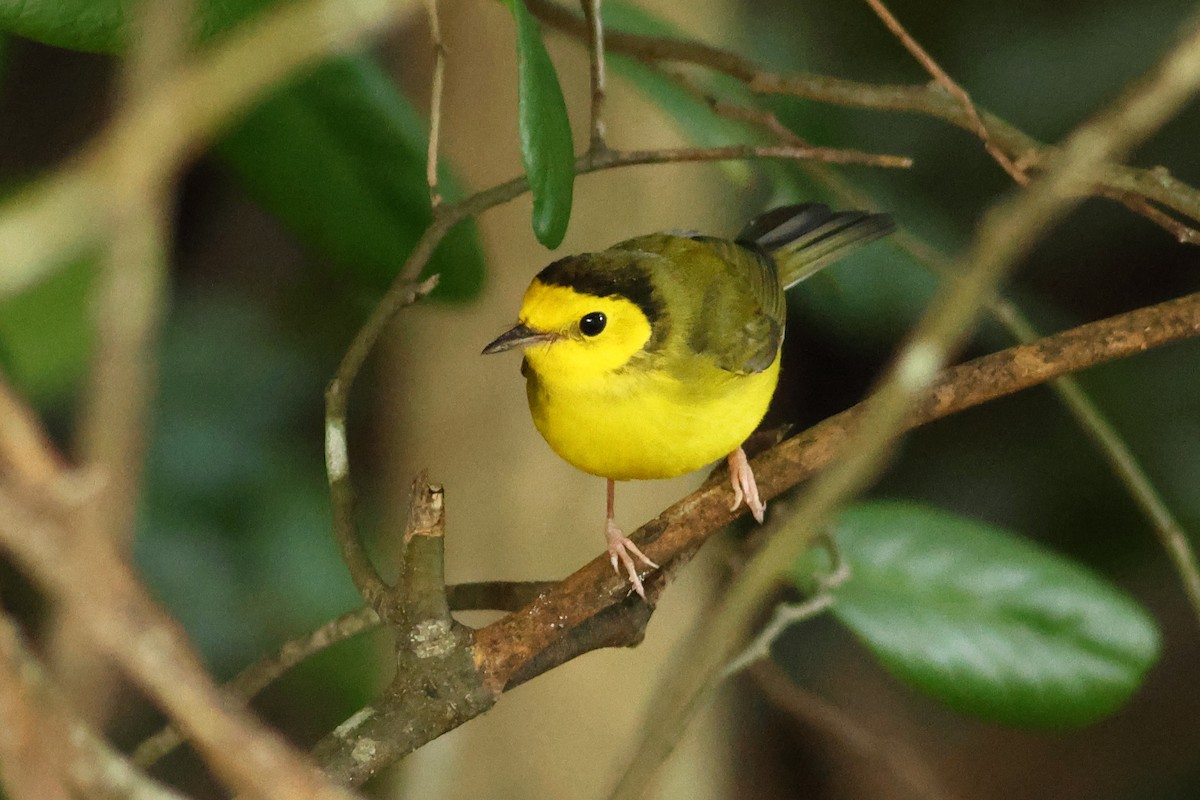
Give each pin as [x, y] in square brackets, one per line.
[722, 300]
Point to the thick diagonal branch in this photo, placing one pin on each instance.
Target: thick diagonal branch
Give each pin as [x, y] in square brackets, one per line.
[592, 608]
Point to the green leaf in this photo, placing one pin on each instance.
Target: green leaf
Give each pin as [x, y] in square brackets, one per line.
[102, 26]
[546, 145]
[992, 625]
[96, 26]
[45, 335]
[339, 157]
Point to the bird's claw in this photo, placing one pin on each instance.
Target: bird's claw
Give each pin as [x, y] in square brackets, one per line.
[745, 488]
[620, 548]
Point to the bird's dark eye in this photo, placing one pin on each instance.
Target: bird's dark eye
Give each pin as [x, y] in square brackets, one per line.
[593, 323]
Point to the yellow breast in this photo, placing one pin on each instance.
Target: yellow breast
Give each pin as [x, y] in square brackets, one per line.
[642, 422]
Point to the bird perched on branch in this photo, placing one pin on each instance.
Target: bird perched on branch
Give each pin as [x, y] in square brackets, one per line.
[660, 354]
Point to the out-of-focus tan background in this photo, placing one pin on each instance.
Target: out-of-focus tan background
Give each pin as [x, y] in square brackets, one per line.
[568, 734]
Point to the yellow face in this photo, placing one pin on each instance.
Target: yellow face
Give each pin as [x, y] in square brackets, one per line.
[589, 336]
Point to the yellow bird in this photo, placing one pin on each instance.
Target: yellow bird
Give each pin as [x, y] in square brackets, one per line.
[660, 354]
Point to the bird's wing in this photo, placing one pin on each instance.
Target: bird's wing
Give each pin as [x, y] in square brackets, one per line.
[725, 298]
[742, 325]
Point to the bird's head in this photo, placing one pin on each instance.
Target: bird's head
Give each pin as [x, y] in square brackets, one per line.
[584, 316]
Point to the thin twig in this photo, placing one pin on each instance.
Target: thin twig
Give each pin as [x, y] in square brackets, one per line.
[894, 756]
[1024, 151]
[490, 596]
[595, 27]
[27, 456]
[739, 152]
[950, 85]
[1183, 233]
[252, 680]
[1016, 169]
[129, 299]
[337, 464]
[435, 102]
[1124, 464]
[1006, 234]
[787, 614]
[783, 617]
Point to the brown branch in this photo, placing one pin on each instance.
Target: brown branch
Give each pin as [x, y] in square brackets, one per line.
[592, 608]
[1025, 152]
[485, 596]
[508, 646]
[112, 425]
[1125, 466]
[43, 744]
[32, 758]
[90, 581]
[595, 46]
[437, 682]
[337, 459]
[435, 102]
[943, 79]
[27, 456]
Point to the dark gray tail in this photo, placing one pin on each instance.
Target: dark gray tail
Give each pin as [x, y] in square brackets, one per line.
[806, 238]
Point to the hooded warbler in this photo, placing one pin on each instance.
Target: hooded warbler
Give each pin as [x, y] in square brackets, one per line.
[660, 354]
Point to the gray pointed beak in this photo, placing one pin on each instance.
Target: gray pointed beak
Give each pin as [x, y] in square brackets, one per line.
[519, 335]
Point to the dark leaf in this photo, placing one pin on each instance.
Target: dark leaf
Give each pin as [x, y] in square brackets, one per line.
[46, 335]
[102, 26]
[339, 157]
[546, 145]
[989, 623]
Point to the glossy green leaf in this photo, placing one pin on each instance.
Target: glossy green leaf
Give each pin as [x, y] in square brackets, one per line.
[101, 26]
[546, 145]
[989, 623]
[96, 26]
[339, 157]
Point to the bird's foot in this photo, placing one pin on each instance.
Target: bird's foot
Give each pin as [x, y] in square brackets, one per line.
[622, 549]
[745, 488]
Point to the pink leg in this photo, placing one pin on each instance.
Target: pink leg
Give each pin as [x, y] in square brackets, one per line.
[621, 546]
[744, 486]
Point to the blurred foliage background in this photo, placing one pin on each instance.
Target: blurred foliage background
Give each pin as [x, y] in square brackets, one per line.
[291, 227]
